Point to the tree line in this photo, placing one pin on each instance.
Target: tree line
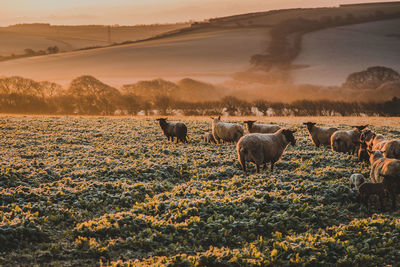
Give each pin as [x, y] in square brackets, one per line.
[88, 96]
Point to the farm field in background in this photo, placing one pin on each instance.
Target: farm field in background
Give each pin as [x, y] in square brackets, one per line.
[85, 190]
[14, 39]
[356, 47]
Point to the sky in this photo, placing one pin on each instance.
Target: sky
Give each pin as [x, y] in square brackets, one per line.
[131, 12]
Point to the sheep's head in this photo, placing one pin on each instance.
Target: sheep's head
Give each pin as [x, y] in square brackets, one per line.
[309, 125]
[361, 127]
[216, 119]
[367, 136]
[162, 121]
[289, 136]
[249, 123]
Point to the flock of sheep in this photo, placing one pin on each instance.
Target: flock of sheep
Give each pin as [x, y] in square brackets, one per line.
[265, 143]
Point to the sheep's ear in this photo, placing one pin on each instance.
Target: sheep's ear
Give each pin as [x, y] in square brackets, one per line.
[219, 117]
[212, 118]
[293, 131]
[370, 151]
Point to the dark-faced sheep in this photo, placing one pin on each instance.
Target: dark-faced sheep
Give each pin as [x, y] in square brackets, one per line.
[374, 141]
[209, 138]
[173, 129]
[320, 135]
[368, 189]
[261, 128]
[226, 132]
[362, 153]
[386, 171]
[347, 141]
[356, 179]
[261, 149]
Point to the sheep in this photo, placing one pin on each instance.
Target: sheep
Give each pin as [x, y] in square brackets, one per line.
[367, 189]
[374, 141]
[356, 179]
[224, 131]
[386, 171]
[320, 135]
[363, 153]
[346, 141]
[263, 148]
[209, 138]
[391, 149]
[261, 128]
[173, 129]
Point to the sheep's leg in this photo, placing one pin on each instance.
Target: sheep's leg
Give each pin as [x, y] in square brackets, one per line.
[317, 144]
[381, 201]
[393, 200]
[258, 168]
[242, 161]
[265, 166]
[272, 166]
[177, 139]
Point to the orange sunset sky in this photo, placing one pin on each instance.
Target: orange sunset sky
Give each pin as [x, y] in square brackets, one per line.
[130, 12]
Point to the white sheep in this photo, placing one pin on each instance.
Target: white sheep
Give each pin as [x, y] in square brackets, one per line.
[386, 171]
[226, 132]
[261, 128]
[347, 141]
[391, 149]
[263, 148]
[356, 179]
[320, 135]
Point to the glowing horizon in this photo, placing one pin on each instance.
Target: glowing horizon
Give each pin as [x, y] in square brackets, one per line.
[124, 12]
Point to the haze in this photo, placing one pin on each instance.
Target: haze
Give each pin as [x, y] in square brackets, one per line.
[125, 12]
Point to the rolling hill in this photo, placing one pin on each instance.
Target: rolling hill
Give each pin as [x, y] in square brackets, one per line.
[355, 47]
[218, 49]
[14, 39]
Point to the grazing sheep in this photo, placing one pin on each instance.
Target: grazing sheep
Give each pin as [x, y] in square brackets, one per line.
[363, 153]
[368, 189]
[209, 138]
[320, 135]
[224, 131]
[346, 141]
[386, 171]
[173, 129]
[263, 148]
[374, 141]
[261, 128]
[391, 149]
[356, 179]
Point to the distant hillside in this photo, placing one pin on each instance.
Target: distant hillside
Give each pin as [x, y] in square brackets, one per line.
[236, 49]
[14, 39]
[356, 47]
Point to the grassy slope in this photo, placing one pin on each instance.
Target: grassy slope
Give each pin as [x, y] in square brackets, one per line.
[208, 53]
[77, 190]
[15, 39]
[356, 47]
[200, 53]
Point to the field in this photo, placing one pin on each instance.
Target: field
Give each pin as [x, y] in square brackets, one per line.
[356, 48]
[207, 55]
[14, 39]
[104, 190]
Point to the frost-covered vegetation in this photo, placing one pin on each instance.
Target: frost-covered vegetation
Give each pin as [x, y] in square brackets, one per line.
[85, 191]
